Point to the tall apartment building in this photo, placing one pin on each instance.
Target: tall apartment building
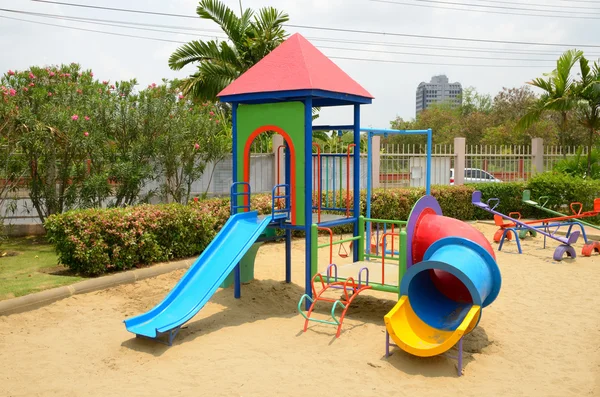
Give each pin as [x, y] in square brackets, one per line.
[438, 90]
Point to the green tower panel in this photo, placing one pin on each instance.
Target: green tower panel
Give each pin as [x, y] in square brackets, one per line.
[288, 118]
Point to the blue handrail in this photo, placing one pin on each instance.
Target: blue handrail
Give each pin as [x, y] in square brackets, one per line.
[234, 195]
[286, 197]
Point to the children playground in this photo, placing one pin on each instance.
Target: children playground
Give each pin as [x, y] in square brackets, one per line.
[396, 306]
[536, 339]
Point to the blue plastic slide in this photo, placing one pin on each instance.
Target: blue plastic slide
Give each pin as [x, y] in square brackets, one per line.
[202, 279]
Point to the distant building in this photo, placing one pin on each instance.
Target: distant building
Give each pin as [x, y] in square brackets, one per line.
[438, 90]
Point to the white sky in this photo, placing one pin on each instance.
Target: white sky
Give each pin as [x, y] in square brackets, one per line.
[393, 85]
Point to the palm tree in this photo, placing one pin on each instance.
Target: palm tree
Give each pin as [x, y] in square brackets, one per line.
[558, 93]
[588, 96]
[249, 38]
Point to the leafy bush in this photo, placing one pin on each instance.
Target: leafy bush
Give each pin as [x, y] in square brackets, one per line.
[397, 203]
[510, 195]
[96, 241]
[564, 189]
[577, 165]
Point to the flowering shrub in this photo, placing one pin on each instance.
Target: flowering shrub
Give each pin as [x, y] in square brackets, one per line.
[96, 241]
[83, 141]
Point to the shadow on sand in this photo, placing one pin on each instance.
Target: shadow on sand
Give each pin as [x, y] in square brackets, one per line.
[264, 299]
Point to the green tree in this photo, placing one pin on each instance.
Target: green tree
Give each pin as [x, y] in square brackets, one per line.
[509, 106]
[472, 101]
[558, 96]
[73, 141]
[587, 92]
[249, 38]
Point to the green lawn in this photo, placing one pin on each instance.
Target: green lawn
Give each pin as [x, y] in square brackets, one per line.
[30, 265]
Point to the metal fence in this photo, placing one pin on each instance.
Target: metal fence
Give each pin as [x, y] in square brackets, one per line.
[399, 166]
[554, 154]
[506, 163]
[404, 165]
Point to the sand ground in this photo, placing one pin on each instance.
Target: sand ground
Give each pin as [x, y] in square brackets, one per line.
[541, 337]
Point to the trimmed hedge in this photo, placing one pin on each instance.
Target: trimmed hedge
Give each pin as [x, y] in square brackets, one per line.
[96, 241]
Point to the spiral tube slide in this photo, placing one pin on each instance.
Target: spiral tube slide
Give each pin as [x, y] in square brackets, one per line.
[453, 275]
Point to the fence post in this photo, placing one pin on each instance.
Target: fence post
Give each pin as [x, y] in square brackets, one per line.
[278, 141]
[376, 161]
[460, 145]
[537, 156]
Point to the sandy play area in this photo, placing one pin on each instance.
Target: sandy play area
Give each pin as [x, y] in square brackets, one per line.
[541, 337]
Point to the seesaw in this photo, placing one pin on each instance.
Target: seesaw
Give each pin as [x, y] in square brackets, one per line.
[566, 243]
[578, 213]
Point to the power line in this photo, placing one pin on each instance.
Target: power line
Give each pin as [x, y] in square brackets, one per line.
[485, 11]
[338, 29]
[333, 57]
[108, 22]
[542, 5]
[434, 55]
[502, 7]
[41, 14]
[571, 1]
[443, 48]
[165, 14]
[117, 24]
[95, 31]
[323, 47]
[343, 30]
[92, 20]
[434, 63]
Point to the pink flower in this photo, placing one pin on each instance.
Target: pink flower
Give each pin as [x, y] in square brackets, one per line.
[31, 75]
[91, 74]
[31, 84]
[74, 117]
[211, 113]
[112, 87]
[217, 121]
[12, 92]
[79, 91]
[104, 82]
[196, 146]
[67, 74]
[25, 89]
[49, 94]
[153, 85]
[86, 133]
[180, 96]
[11, 73]
[52, 74]
[86, 118]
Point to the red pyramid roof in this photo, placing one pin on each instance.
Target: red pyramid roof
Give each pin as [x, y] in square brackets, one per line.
[295, 65]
